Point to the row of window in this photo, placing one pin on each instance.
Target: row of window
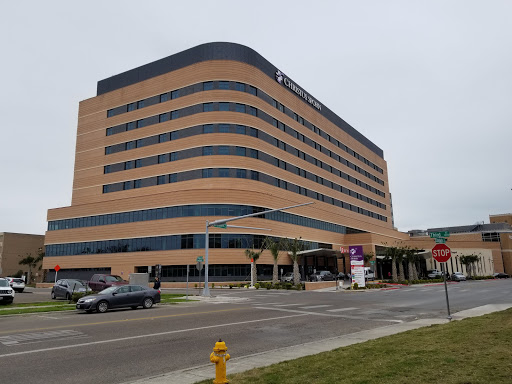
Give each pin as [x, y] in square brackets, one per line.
[204, 210]
[241, 129]
[237, 173]
[237, 86]
[227, 150]
[162, 243]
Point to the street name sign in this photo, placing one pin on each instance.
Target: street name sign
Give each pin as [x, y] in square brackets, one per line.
[439, 234]
[440, 240]
[200, 259]
[441, 253]
[220, 226]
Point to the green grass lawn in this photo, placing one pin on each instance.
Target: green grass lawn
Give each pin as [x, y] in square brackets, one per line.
[471, 351]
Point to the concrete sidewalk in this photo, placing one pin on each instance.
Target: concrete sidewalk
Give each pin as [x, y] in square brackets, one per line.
[241, 364]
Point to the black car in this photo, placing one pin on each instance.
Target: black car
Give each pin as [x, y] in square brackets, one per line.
[501, 275]
[118, 297]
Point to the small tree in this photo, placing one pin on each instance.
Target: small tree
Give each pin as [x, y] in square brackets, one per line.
[31, 262]
[274, 247]
[412, 260]
[254, 255]
[294, 247]
[393, 254]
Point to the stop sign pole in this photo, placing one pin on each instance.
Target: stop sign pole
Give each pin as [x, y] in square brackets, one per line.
[442, 253]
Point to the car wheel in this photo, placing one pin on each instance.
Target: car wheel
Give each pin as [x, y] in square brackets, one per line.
[134, 307]
[102, 307]
[53, 295]
[147, 303]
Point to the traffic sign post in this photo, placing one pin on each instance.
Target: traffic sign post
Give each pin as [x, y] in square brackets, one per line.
[57, 268]
[442, 253]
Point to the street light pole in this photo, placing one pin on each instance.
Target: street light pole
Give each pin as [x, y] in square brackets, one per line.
[206, 290]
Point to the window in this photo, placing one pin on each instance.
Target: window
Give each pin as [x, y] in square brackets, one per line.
[175, 135]
[161, 179]
[252, 111]
[140, 104]
[173, 156]
[223, 106]
[127, 185]
[241, 173]
[130, 125]
[240, 151]
[240, 108]
[224, 128]
[163, 158]
[137, 183]
[164, 97]
[208, 172]
[105, 189]
[240, 129]
[175, 94]
[163, 137]
[131, 107]
[208, 128]
[207, 151]
[130, 145]
[223, 84]
[110, 131]
[253, 132]
[106, 169]
[140, 123]
[255, 175]
[207, 107]
[223, 150]
[175, 115]
[173, 178]
[163, 117]
[110, 113]
[253, 153]
[223, 172]
[280, 107]
[128, 165]
[240, 87]
[207, 85]
[252, 90]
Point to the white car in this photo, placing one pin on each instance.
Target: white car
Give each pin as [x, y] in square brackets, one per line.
[287, 277]
[16, 283]
[6, 292]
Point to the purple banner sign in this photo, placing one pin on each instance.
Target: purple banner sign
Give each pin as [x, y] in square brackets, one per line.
[356, 253]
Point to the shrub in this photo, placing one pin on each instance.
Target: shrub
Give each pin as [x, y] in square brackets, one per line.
[298, 287]
[288, 286]
[77, 295]
[355, 286]
[231, 286]
[257, 285]
[213, 285]
[195, 285]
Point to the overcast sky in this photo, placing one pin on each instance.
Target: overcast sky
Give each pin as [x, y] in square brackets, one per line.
[429, 82]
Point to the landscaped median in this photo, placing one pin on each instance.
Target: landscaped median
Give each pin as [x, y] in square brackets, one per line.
[64, 305]
[474, 350]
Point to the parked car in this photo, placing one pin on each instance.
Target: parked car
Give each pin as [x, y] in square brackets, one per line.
[342, 276]
[287, 277]
[321, 276]
[16, 283]
[434, 274]
[458, 276]
[6, 291]
[65, 288]
[100, 281]
[118, 297]
[500, 275]
[369, 274]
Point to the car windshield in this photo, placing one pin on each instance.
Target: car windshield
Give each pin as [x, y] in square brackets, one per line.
[113, 278]
[75, 284]
[107, 290]
[4, 283]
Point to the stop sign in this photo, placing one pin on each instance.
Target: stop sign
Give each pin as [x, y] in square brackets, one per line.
[441, 253]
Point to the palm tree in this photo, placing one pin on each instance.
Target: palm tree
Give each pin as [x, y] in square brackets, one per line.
[412, 259]
[294, 247]
[251, 254]
[31, 262]
[393, 253]
[274, 247]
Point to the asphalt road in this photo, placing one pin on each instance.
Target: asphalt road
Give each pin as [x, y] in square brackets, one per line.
[125, 345]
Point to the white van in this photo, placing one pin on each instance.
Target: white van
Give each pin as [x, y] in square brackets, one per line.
[368, 274]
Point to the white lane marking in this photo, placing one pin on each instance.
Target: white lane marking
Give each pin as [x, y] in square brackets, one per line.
[327, 314]
[316, 306]
[149, 335]
[30, 337]
[341, 309]
[287, 305]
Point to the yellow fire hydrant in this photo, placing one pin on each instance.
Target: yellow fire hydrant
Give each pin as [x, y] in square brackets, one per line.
[219, 358]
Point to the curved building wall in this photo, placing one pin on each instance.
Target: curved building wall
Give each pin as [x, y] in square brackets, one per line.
[206, 133]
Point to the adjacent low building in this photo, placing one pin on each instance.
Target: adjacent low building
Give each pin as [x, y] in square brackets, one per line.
[16, 246]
